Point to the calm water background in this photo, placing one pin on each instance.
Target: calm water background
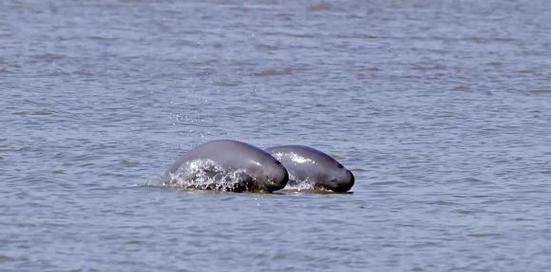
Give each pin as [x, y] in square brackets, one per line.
[441, 108]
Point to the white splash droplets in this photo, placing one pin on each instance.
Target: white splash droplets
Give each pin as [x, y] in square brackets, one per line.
[208, 175]
[300, 186]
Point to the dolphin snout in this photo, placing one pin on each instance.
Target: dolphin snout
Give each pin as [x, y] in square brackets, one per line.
[345, 183]
[283, 181]
[279, 181]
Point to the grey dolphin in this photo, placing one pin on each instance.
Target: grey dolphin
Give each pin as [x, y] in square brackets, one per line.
[228, 165]
[311, 166]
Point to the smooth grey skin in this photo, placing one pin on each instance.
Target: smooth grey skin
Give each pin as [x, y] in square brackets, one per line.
[263, 172]
[306, 164]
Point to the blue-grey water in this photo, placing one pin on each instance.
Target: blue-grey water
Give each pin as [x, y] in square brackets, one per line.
[442, 109]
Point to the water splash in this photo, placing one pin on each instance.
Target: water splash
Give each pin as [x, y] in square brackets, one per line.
[208, 175]
[300, 187]
[304, 185]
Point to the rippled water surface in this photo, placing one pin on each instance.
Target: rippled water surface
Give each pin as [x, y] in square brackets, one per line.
[442, 109]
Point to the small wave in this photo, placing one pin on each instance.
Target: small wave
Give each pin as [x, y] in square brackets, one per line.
[323, 6]
[274, 72]
[384, 183]
[34, 113]
[485, 235]
[4, 258]
[359, 170]
[49, 57]
[542, 92]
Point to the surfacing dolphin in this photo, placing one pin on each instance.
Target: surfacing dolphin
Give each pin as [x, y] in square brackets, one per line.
[312, 168]
[227, 165]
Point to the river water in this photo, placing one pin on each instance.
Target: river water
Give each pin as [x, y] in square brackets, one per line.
[442, 109]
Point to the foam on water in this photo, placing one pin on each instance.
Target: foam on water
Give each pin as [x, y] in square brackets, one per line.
[304, 187]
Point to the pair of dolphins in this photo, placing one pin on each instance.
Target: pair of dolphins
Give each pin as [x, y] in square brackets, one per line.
[229, 165]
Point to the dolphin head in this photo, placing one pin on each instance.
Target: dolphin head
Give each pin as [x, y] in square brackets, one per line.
[275, 177]
[311, 166]
[342, 181]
